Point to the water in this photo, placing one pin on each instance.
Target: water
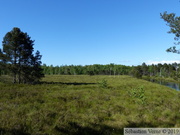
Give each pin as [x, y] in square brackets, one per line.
[172, 85]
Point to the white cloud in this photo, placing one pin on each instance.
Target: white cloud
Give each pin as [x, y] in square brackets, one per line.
[163, 61]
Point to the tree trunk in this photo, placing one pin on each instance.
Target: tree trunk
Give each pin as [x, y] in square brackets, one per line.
[14, 78]
[14, 66]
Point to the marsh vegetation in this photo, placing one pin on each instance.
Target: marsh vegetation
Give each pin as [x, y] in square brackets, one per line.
[80, 104]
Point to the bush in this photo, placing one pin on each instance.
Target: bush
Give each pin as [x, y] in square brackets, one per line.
[103, 83]
[138, 93]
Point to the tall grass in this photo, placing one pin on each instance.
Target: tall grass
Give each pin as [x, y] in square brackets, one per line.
[80, 105]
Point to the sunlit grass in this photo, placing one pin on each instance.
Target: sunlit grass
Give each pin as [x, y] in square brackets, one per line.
[80, 105]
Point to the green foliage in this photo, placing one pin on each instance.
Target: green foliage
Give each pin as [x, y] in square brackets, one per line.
[137, 72]
[18, 57]
[145, 71]
[138, 93]
[103, 83]
[65, 104]
[96, 69]
[173, 22]
[90, 73]
[160, 70]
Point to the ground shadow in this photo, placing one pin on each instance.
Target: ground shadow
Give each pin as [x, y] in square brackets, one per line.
[74, 128]
[101, 129]
[12, 132]
[95, 129]
[70, 83]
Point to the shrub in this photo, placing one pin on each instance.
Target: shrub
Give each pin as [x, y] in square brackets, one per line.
[138, 93]
[103, 83]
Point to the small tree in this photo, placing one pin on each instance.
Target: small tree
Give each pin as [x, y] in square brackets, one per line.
[19, 59]
[144, 68]
[137, 72]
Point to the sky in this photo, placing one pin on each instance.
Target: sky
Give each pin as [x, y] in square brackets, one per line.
[85, 32]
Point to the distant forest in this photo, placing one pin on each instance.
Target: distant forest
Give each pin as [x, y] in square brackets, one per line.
[96, 69]
[159, 70]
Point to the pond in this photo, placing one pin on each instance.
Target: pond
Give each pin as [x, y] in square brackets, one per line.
[172, 85]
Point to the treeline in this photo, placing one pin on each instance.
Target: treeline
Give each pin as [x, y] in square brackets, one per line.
[96, 69]
[159, 70]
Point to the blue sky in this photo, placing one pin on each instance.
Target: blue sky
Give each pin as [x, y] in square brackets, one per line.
[83, 32]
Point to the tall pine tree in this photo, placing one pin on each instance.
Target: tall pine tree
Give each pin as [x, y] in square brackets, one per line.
[18, 57]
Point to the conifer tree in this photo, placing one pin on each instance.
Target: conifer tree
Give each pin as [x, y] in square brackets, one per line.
[173, 22]
[19, 59]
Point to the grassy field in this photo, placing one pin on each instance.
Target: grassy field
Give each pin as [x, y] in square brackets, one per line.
[98, 105]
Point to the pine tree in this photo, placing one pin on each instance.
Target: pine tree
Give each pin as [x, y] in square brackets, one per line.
[173, 22]
[19, 58]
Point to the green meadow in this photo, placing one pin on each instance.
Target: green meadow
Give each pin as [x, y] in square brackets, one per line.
[85, 105]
